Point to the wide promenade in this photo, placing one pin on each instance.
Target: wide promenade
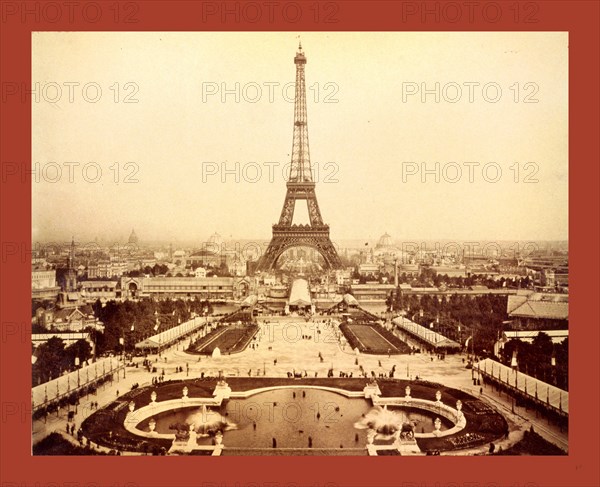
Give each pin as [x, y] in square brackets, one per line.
[291, 344]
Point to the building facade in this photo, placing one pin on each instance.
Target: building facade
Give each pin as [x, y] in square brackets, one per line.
[212, 288]
[43, 284]
[103, 290]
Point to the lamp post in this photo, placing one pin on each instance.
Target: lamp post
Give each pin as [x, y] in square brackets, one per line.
[514, 364]
[94, 338]
[553, 364]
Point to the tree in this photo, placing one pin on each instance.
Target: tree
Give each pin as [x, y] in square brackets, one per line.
[542, 345]
[159, 269]
[81, 348]
[50, 359]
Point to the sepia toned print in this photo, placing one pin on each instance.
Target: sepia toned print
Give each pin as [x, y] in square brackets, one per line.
[205, 281]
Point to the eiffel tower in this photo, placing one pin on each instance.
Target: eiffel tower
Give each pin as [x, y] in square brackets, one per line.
[300, 186]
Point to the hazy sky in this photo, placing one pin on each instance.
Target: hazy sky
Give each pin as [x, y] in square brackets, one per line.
[362, 134]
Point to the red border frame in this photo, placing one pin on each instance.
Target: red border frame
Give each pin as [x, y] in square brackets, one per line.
[580, 468]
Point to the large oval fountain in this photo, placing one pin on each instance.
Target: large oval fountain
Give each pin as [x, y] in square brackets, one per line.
[292, 417]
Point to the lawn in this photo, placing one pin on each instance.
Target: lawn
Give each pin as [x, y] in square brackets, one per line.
[372, 338]
[228, 338]
[369, 338]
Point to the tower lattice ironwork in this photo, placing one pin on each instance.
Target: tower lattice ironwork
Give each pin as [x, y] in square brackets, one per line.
[300, 186]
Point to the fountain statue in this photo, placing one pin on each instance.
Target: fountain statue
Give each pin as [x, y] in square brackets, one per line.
[437, 424]
[384, 423]
[407, 433]
[206, 422]
[371, 389]
[192, 442]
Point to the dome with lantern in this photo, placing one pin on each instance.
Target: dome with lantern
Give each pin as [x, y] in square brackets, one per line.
[385, 248]
[385, 241]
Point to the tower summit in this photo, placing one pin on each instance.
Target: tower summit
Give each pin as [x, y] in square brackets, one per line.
[300, 187]
[71, 259]
[300, 165]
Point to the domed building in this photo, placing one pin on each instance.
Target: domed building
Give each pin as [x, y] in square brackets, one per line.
[385, 241]
[385, 248]
[133, 238]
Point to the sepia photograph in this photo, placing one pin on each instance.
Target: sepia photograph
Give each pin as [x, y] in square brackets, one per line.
[299, 243]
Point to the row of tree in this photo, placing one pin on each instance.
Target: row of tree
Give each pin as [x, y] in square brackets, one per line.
[541, 359]
[457, 316]
[146, 316]
[54, 358]
[429, 278]
[162, 270]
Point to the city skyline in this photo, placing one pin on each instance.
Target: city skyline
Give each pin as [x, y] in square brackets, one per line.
[369, 138]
